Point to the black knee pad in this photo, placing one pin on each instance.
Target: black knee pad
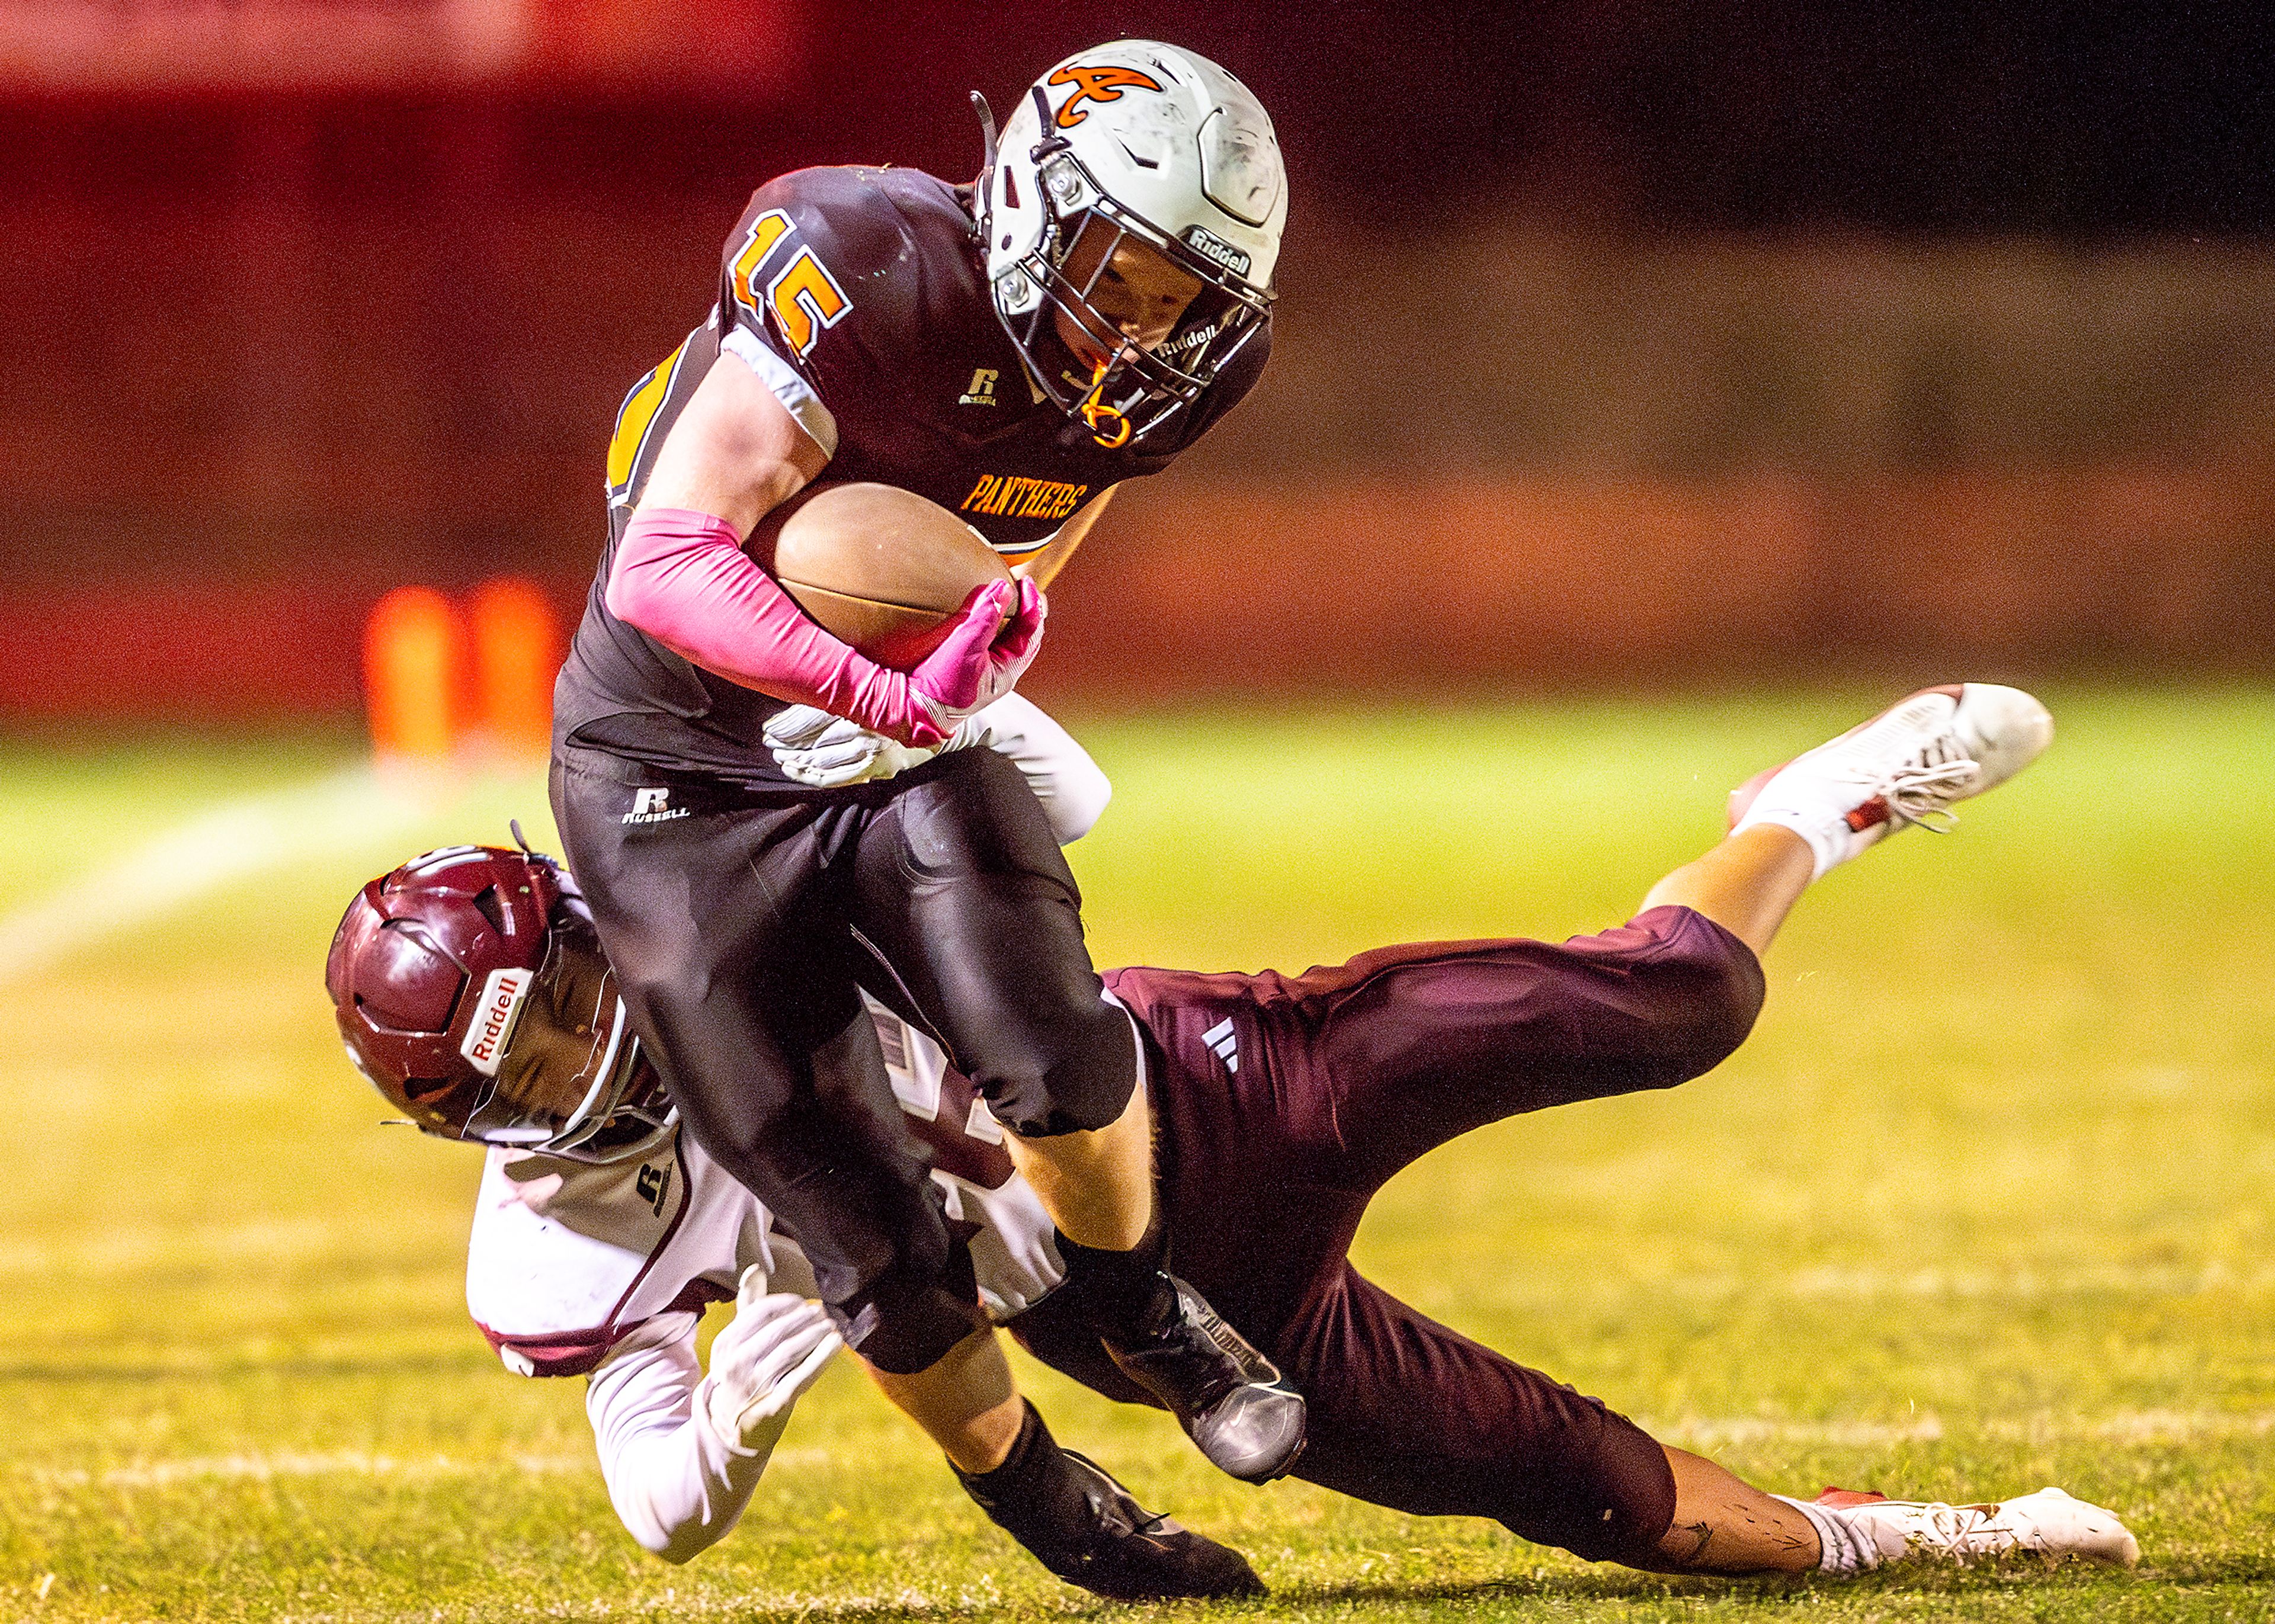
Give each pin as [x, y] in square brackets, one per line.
[902, 1323]
[1078, 1079]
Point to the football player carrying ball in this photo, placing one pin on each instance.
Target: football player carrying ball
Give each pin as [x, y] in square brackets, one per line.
[1012, 349]
[1281, 1104]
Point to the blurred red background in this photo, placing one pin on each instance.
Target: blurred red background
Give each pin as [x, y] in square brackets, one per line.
[1619, 344]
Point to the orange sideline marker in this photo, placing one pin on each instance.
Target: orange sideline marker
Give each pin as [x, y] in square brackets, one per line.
[413, 646]
[517, 651]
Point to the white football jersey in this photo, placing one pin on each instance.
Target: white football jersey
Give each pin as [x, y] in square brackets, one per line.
[567, 1259]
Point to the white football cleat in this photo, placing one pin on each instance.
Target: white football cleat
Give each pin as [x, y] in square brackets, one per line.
[1906, 766]
[2049, 1524]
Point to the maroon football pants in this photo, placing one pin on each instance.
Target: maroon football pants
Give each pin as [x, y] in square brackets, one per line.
[1284, 1103]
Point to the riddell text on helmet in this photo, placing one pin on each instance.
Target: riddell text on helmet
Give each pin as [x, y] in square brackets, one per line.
[1207, 242]
[502, 995]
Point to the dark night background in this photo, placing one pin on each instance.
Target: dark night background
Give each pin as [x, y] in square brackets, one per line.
[2069, 120]
[1593, 294]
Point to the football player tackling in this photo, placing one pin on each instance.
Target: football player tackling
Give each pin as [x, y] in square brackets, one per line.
[1281, 1104]
[1011, 350]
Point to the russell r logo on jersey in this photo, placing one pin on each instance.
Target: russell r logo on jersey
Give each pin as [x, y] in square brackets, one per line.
[654, 806]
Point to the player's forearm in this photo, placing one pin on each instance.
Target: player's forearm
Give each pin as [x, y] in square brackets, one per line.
[679, 1491]
[682, 577]
[676, 1486]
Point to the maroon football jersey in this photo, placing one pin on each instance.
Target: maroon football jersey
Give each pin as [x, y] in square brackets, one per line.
[859, 296]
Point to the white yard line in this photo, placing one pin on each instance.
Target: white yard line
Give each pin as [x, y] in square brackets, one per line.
[163, 1472]
[2122, 1427]
[228, 844]
[265, 1467]
[2026, 1280]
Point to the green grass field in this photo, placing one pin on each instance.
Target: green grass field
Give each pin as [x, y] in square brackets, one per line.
[1989, 1201]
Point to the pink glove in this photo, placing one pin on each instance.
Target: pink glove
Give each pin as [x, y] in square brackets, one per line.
[683, 578]
[983, 659]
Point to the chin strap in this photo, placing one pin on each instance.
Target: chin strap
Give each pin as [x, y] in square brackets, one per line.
[1052, 141]
[986, 117]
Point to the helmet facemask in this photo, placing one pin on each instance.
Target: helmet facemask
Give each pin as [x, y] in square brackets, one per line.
[572, 1080]
[470, 990]
[1083, 338]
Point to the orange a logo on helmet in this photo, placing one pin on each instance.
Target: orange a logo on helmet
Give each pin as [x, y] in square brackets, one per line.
[1094, 85]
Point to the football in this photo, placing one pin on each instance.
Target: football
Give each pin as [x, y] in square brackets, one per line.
[882, 568]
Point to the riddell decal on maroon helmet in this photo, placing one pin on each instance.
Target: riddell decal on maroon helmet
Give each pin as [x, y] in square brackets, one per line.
[494, 1016]
[434, 971]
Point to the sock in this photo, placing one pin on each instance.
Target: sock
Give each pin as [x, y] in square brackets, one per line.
[1036, 1495]
[1830, 839]
[1848, 1549]
[1120, 1294]
[1028, 1460]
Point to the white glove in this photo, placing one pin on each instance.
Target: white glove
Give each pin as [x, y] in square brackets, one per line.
[770, 1354]
[827, 753]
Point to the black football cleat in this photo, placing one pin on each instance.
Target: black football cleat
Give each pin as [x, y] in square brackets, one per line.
[1077, 1521]
[1229, 1398]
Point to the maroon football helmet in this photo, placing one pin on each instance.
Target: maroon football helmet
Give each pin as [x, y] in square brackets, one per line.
[472, 991]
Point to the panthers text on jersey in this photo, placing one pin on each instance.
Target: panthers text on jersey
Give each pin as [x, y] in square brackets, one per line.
[859, 295]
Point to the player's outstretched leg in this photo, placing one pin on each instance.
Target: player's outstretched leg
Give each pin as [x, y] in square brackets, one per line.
[986, 950]
[1909, 765]
[1076, 1521]
[1723, 1525]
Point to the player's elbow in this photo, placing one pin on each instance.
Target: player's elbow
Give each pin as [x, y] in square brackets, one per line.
[1077, 799]
[635, 596]
[677, 1546]
[675, 1540]
[681, 1550]
[674, 569]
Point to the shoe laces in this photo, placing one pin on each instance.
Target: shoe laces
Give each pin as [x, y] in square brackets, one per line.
[1963, 1531]
[1920, 791]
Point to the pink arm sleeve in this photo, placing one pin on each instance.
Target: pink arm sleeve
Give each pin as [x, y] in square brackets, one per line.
[683, 578]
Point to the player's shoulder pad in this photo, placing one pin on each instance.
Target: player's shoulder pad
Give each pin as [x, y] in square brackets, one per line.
[560, 1249]
[820, 247]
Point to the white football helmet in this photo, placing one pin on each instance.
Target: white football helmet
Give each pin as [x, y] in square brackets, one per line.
[1133, 149]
